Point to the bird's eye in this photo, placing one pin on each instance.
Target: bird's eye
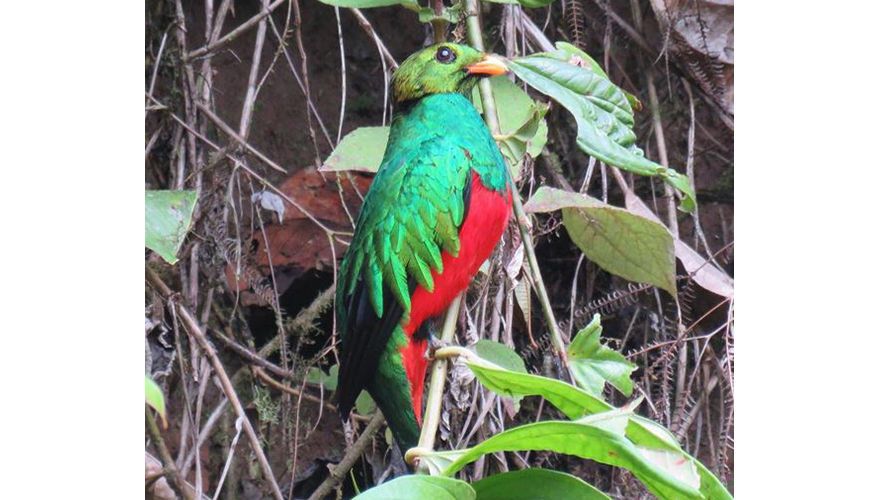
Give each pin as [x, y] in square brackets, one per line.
[445, 55]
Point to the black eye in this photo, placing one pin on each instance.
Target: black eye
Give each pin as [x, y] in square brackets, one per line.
[445, 55]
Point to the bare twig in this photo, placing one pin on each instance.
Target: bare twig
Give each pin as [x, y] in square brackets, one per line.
[304, 63]
[250, 97]
[232, 35]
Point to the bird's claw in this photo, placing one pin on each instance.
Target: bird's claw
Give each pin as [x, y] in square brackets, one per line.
[434, 343]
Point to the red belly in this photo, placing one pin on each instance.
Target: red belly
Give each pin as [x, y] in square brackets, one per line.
[483, 226]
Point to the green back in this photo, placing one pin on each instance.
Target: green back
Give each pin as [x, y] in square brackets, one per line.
[416, 205]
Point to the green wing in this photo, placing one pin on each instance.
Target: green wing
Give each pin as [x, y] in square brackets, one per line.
[411, 214]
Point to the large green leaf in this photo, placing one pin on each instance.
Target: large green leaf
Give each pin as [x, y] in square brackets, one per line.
[521, 120]
[155, 398]
[420, 487]
[652, 438]
[653, 441]
[361, 149]
[536, 484]
[592, 364]
[649, 437]
[602, 111]
[590, 438]
[570, 400]
[617, 240]
[580, 58]
[168, 217]
[503, 356]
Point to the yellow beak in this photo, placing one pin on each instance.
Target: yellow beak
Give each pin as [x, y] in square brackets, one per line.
[489, 65]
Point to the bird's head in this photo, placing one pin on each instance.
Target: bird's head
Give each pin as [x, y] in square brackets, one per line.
[442, 69]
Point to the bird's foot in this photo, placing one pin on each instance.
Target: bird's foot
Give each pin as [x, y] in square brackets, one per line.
[434, 343]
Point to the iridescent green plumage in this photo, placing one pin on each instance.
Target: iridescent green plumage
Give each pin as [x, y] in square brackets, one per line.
[411, 215]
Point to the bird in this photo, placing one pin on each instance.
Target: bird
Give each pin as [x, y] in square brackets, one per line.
[436, 209]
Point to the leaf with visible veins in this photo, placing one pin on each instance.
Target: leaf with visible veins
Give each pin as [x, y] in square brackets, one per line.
[593, 364]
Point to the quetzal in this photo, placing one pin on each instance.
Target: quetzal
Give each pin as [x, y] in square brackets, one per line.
[436, 209]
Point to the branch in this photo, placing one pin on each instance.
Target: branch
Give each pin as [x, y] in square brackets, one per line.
[337, 474]
[193, 327]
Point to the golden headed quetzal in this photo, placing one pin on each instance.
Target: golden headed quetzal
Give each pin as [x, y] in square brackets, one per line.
[435, 211]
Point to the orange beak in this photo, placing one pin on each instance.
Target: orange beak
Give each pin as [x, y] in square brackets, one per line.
[489, 65]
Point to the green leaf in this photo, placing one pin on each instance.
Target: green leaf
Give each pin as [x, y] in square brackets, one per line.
[500, 354]
[592, 363]
[364, 403]
[420, 487]
[449, 14]
[168, 217]
[580, 58]
[646, 435]
[570, 400]
[437, 461]
[650, 437]
[504, 357]
[649, 434]
[624, 244]
[535, 484]
[585, 439]
[710, 486]
[675, 464]
[361, 150]
[521, 120]
[154, 398]
[617, 240]
[602, 111]
[317, 376]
